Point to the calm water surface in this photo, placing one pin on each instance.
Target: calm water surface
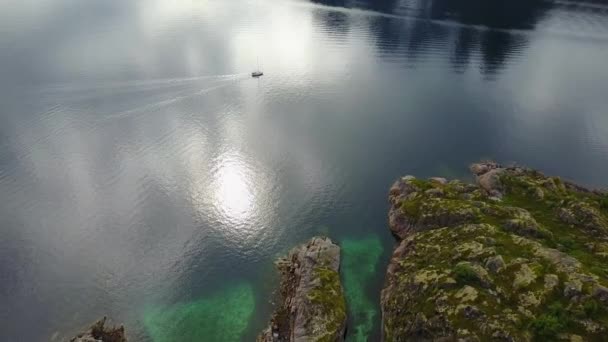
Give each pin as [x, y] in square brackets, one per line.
[145, 176]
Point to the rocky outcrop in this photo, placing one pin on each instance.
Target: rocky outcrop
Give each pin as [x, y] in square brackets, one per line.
[99, 332]
[519, 256]
[312, 305]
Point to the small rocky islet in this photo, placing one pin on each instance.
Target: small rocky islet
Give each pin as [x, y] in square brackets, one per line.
[100, 331]
[312, 305]
[518, 256]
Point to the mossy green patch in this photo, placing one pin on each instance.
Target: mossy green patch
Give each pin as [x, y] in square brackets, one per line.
[421, 184]
[604, 202]
[360, 258]
[549, 325]
[592, 308]
[464, 274]
[223, 316]
[329, 305]
[411, 209]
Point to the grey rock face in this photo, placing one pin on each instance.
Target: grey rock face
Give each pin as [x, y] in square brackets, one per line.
[495, 264]
[312, 306]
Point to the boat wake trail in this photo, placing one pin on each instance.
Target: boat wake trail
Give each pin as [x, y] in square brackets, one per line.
[180, 96]
[136, 85]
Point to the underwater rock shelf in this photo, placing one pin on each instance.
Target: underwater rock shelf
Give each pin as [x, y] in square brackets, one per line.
[520, 256]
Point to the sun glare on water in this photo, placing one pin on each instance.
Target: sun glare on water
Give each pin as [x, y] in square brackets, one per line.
[233, 192]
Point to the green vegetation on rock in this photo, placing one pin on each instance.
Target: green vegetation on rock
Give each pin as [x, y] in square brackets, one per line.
[223, 316]
[328, 305]
[548, 325]
[521, 256]
[360, 258]
[464, 273]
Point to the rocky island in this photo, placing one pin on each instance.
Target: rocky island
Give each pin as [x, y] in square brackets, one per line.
[520, 256]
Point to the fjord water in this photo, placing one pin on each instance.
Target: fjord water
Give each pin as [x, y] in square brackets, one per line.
[144, 174]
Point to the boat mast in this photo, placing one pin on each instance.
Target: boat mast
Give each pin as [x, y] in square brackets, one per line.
[257, 72]
[257, 49]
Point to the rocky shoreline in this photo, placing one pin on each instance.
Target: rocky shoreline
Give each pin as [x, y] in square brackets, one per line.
[518, 256]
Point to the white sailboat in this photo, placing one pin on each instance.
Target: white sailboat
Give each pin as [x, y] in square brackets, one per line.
[257, 72]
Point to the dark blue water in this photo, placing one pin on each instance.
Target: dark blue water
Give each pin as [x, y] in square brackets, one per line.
[146, 176]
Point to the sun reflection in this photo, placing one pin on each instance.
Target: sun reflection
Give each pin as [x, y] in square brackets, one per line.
[232, 189]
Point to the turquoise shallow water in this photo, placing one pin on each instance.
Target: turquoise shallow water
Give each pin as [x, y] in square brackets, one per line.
[222, 316]
[361, 264]
[226, 314]
[145, 175]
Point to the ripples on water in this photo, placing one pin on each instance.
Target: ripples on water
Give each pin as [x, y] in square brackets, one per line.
[144, 174]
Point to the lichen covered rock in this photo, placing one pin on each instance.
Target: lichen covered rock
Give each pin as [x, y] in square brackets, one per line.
[518, 257]
[312, 306]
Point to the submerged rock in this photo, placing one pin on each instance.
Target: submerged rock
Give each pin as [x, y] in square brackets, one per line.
[312, 306]
[518, 257]
[99, 332]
